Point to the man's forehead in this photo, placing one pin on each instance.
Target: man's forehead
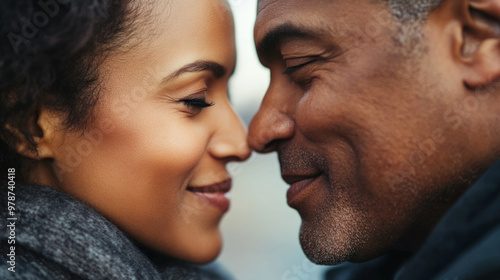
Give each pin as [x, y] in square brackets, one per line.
[283, 4]
[263, 4]
[272, 14]
[271, 9]
[324, 16]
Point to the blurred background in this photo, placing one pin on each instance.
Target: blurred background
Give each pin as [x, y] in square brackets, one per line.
[260, 231]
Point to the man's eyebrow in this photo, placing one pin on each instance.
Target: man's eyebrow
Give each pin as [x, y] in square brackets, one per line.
[278, 34]
[198, 66]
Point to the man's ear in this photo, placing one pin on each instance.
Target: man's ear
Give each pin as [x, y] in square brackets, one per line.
[481, 45]
[43, 131]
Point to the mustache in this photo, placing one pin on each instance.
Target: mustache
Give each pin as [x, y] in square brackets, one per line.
[296, 159]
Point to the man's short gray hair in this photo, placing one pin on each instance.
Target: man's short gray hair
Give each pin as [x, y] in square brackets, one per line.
[410, 15]
[412, 10]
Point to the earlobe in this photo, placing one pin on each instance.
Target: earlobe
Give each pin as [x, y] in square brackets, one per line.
[481, 46]
[48, 123]
[484, 65]
[43, 136]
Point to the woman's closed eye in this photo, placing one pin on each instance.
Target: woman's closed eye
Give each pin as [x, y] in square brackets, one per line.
[196, 102]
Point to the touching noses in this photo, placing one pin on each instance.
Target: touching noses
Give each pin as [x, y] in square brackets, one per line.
[270, 125]
[229, 142]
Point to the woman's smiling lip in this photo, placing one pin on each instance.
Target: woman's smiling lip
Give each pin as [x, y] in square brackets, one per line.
[214, 194]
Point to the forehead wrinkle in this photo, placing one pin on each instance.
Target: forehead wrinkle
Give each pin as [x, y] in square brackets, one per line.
[261, 6]
[280, 33]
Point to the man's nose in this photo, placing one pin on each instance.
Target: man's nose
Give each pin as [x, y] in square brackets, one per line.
[271, 124]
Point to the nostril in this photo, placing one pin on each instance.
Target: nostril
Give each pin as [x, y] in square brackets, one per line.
[269, 126]
[270, 147]
[261, 146]
[255, 144]
[263, 138]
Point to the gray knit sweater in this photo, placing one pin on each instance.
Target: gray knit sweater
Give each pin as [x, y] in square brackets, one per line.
[58, 237]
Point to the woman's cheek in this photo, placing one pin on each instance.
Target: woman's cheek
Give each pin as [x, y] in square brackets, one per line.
[183, 147]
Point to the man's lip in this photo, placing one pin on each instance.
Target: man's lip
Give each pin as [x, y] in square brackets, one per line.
[291, 178]
[220, 187]
[298, 183]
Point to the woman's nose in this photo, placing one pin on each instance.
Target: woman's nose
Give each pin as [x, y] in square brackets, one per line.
[229, 141]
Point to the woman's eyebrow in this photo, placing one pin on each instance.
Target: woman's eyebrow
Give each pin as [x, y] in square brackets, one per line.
[198, 66]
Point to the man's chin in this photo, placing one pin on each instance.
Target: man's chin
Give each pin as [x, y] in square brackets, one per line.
[322, 247]
[332, 245]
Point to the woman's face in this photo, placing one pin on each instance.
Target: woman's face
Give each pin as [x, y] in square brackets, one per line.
[153, 161]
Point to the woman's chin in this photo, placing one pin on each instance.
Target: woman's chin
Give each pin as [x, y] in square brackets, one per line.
[206, 251]
[206, 257]
[201, 249]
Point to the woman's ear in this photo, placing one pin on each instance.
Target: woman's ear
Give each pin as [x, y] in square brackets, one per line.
[43, 132]
[481, 45]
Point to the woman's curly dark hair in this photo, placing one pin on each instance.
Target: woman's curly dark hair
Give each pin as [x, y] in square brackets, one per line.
[49, 55]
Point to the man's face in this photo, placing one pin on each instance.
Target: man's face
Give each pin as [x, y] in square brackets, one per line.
[373, 137]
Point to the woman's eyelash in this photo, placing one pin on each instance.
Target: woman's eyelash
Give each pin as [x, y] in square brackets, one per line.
[196, 103]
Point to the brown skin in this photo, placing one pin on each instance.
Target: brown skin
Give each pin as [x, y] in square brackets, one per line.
[152, 145]
[377, 126]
